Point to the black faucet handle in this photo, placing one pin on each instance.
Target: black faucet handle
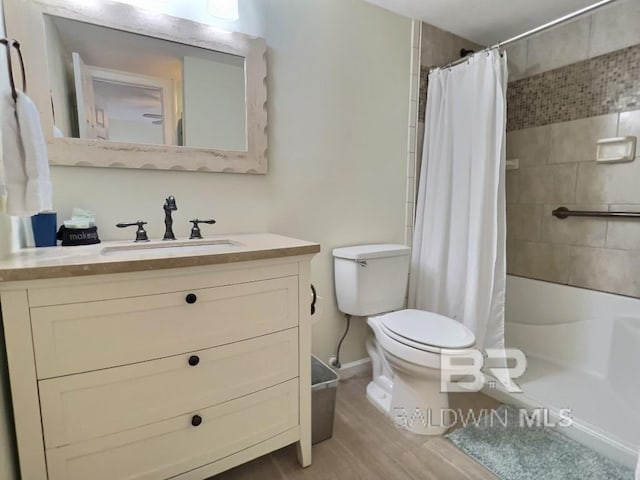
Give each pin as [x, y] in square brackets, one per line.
[195, 230]
[170, 203]
[141, 233]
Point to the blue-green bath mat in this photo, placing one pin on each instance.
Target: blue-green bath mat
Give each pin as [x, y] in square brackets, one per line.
[515, 452]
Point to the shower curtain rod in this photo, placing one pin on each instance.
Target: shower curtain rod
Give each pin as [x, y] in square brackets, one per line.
[532, 32]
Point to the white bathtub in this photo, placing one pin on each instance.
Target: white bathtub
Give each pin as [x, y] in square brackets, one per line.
[583, 352]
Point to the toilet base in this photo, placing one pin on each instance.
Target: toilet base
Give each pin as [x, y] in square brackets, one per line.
[417, 404]
[378, 397]
[408, 394]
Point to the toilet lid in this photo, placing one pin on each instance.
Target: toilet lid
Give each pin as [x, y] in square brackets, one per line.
[428, 328]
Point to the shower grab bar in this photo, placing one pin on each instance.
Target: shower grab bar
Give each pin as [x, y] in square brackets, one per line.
[564, 212]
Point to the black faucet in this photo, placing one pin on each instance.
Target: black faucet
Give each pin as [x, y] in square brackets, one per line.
[195, 230]
[169, 206]
[141, 234]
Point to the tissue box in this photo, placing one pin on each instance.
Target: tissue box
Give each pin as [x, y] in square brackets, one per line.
[78, 236]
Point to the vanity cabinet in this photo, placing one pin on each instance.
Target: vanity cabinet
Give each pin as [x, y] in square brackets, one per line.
[170, 373]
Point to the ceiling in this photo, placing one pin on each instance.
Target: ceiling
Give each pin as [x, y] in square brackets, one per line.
[484, 21]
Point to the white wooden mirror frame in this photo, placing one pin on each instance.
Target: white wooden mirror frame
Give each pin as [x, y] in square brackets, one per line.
[25, 23]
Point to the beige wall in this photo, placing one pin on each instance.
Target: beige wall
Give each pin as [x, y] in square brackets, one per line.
[338, 109]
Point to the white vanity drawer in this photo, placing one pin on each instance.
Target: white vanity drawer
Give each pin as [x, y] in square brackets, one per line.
[172, 447]
[89, 336]
[90, 405]
[109, 287]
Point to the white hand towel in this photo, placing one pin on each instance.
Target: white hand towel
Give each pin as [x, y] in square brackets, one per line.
[24, 154]
[39, 191]
[14, 181]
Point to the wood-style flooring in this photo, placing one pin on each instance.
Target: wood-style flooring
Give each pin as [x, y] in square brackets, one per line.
[367, 446]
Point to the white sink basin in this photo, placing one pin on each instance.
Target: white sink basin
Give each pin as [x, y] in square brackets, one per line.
[171, 248]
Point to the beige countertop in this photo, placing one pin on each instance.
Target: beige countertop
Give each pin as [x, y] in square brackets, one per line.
[60, 262]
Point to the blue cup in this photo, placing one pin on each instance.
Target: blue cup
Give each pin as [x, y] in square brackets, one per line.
[45, 228]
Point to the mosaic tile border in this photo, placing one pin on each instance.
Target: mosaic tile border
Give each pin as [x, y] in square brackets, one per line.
[606, 84]
[609, 83]
[424, 84]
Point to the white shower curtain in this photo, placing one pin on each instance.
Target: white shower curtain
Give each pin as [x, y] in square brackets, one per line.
[458, 258]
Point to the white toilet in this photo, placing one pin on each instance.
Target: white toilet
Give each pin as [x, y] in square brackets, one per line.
[371, 281]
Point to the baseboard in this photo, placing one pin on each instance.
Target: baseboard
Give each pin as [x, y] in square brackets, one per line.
[354, 369]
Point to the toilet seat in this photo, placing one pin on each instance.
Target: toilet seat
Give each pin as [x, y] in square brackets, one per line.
[424, 355]
[409, 343]
[426, 331]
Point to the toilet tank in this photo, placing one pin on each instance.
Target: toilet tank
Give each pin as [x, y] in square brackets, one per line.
[371, 279]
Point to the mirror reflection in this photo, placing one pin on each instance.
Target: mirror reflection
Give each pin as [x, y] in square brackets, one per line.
[118, 86]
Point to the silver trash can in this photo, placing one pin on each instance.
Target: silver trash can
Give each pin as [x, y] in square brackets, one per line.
[324, 385]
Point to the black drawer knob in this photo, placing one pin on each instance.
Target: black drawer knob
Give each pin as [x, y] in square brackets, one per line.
[196, 420]
[194, 360]
[191, 298]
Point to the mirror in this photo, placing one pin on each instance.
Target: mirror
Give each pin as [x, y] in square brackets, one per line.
[123, 87]
[119, 86]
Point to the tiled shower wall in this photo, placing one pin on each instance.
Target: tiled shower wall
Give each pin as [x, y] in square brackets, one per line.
[558, 168]
[605, 84]
[555, 117]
